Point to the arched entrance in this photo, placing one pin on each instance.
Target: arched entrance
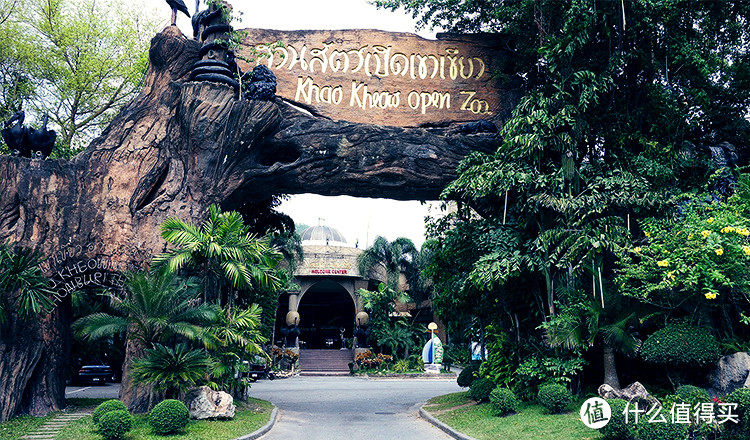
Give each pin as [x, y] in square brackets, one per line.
[325, 309]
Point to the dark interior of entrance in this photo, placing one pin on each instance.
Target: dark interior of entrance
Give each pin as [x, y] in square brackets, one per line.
[325, 310]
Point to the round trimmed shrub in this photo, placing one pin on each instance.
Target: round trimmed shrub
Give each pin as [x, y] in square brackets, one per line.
[741, 430]
[168, 417]
[554, 397]
[466, 377]
[113, 425]
[617, 429]
[692, 394]
[503, 401]
[105, 407]
[681, 345]
[661, 431]
[481, 389]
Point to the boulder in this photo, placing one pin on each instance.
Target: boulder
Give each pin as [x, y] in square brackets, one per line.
[633, 393]
[205, 403]
[731, 372]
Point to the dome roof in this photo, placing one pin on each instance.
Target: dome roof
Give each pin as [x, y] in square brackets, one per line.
[323, 234]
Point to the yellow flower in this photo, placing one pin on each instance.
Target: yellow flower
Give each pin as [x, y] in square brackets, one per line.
[662, 263]
[705, 233]
[746, 250]
[719, 251]
[671, 275]
[637, 249]
[690, 236]
[710, 220]
[743, 231]
[710, 295]
[647, 234]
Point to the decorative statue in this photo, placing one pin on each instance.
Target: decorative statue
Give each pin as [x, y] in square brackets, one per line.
[291, 335]
[25, 142]
[41, 140]
[14, 134]
[177, 5]
[260, 84]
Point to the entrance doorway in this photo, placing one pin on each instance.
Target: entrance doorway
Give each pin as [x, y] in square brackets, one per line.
[326, 311]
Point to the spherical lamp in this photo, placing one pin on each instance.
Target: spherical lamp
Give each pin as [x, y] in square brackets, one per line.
[292, 318]
[363, 318]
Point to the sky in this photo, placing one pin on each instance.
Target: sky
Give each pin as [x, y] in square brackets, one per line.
[359, 219]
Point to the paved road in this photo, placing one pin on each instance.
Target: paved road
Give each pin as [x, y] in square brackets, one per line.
[108, 391]
[332, 408]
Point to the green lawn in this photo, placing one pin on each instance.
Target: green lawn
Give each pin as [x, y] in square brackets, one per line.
[530, 423]
[249, 418]
[16, 428]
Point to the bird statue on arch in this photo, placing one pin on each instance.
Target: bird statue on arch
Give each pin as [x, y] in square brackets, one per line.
[177, 5]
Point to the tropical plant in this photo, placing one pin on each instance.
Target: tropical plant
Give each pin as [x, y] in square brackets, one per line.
[172, 370]
[481, 389]
[397, 258]
[396, 336]
[23, 287]
[220, 249]
[581, 324]
[155, 308]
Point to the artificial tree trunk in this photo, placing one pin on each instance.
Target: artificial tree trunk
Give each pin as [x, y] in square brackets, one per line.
[610, 368]
[175, 149]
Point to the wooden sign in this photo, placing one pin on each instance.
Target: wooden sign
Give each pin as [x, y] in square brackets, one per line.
[385, 78]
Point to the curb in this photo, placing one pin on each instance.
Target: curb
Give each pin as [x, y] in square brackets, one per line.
[264, 429]
[442, 426]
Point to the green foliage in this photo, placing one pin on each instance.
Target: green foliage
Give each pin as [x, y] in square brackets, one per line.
[480, 389]
[154, 308]
[499, 366]
[741, 430]
[113, 425]
[23, 287]
[457, 354]
[222, 248]
[169, 417]
[696, 260]
[617, 429]
[692, 394]
[81, 61]
[661, 431]
[503, 401]
[105, 407]
[171, 369]
[536, 371]
[401, 366]
[467, 376]
[416, 362]
[554, 397]
[681, 345]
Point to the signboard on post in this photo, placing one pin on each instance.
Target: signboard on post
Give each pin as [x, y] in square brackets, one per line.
[386, 78]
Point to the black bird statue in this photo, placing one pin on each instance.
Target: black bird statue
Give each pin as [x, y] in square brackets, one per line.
[260, 84]
[42, 140]
[14, 134]
[177, 5]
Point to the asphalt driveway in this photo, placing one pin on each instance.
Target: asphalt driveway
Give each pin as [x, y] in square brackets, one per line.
[332, 408]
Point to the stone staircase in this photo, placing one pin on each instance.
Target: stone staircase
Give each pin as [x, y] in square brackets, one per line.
[53, 426]
[325, 362]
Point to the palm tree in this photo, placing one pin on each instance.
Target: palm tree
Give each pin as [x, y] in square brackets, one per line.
[155, 308]
[171, 370]
[222, 248]
[583, 324]
[394, 256]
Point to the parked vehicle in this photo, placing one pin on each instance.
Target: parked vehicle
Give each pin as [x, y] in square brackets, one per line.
[259, 371]
[97, 374]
